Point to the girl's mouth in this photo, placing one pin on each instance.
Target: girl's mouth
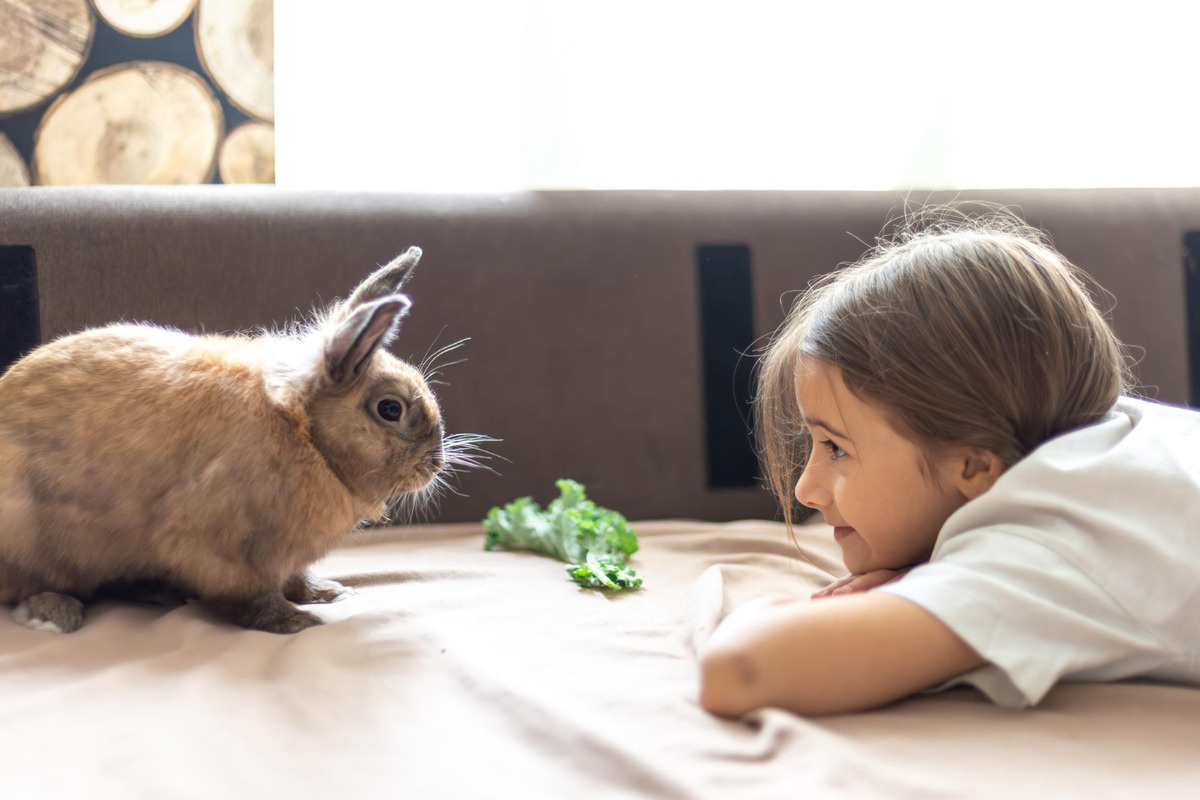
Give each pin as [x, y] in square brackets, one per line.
[841, 532]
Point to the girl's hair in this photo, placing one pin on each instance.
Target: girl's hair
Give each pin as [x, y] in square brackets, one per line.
[963, 329]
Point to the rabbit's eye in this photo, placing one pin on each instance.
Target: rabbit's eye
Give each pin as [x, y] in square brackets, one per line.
[391, 410]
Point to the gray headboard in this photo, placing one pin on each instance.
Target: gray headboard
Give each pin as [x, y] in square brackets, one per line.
[588, 353]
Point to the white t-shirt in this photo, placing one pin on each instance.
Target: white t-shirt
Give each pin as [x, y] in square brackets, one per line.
[1081, 563]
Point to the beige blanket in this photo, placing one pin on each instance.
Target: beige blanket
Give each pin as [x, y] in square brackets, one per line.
[459, 673]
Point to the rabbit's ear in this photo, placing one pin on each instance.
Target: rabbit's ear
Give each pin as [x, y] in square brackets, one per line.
[386, 280]
[351, 343]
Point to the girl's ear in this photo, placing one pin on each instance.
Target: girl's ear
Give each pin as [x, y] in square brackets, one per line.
[976, 470]
[352, 341]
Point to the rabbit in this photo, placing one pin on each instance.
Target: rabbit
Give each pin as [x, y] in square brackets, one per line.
[135, 458]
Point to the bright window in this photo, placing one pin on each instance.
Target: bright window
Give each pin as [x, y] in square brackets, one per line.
[503, 95]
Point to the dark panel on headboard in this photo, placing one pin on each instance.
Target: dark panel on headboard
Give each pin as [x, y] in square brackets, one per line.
[1191, 269]
[727, 334]
[20, 329]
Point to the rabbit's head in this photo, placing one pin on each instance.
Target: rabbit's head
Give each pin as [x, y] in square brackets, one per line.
[373, 416]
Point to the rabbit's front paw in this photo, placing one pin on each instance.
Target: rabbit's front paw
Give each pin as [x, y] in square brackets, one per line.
[268, 612]
[327, 591]
[293, 623]
[51, 612]
[302, 588]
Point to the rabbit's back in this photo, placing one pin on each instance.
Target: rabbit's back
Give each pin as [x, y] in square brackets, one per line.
[132, 451]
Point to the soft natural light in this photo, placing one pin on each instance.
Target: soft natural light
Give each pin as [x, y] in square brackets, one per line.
[504, 95]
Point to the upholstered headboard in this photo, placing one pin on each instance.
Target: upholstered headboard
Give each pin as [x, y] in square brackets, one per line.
[589, 355]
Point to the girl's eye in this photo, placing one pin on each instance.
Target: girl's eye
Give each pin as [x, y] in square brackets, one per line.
[391, 410]
[835, 452]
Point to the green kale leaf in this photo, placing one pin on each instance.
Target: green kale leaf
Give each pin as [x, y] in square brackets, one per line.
[593, 540]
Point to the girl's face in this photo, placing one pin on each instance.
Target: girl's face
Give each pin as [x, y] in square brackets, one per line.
[872, 484]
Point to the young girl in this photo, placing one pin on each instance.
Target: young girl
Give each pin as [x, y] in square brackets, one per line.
[955, 406]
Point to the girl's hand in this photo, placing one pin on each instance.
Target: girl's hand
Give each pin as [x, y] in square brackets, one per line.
[860, 583]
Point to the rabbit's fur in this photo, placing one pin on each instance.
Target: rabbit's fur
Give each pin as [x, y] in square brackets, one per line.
[136, 458]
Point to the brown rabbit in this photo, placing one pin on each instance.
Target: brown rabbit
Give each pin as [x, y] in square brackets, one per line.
[218, 466]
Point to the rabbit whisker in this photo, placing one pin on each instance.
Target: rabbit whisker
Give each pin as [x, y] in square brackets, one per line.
[441, 367]
[464, 450]
[429, 363]
[425, 357]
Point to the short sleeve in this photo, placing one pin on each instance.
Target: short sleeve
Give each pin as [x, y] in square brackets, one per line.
[1030, 613]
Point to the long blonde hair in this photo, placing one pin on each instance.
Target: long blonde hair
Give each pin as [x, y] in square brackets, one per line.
[964, 329]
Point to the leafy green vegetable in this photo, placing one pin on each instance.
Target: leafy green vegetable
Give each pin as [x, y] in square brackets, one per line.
[593, 540]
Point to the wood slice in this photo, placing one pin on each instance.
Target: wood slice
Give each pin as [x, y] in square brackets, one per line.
[248, 154]
[144, 18]
[138, 122]
[12, 166]
[43, 44]
[236, 43]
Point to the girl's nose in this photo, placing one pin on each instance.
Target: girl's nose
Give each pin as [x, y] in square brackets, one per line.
[810, 492]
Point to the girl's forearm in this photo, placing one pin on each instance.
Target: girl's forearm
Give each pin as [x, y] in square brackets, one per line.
[844, 653]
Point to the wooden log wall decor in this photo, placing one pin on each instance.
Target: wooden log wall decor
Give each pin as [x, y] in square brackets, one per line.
[143, 122]
[144, 18]
[248, 154]
[136, 91]
[12, 166]
[235, 39]
[43, 45]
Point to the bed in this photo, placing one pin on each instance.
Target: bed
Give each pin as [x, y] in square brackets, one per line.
[456, 672]
[460, 673]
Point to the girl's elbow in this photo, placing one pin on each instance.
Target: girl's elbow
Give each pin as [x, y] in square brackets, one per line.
[727, 682]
